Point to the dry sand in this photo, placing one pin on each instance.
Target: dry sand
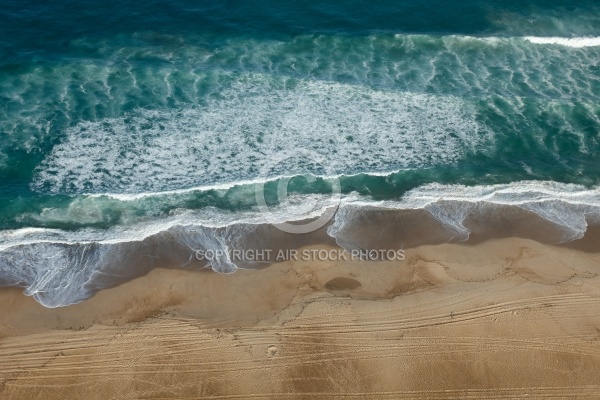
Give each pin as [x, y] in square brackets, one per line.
[506, 318]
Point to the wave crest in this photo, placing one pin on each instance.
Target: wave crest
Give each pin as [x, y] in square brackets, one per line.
[577, 42]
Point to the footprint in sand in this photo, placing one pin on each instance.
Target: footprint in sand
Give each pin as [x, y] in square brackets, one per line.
[272, 351]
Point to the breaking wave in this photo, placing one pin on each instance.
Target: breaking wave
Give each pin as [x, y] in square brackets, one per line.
[59, 267]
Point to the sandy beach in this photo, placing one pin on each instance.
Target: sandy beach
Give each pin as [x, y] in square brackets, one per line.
[505, 318]
[300, 199]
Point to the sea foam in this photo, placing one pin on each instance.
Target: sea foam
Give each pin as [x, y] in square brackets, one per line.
[243, 130]
[577, 42]
[60, 267]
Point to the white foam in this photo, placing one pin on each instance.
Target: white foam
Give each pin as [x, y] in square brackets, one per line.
[209, 217]
[80, 91]
[566, 205]
[222, 186]
[577, 42]
[516, 193]
[60, 267]
[257, 120]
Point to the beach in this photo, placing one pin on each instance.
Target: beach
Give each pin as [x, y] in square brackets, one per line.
[501, 318]
[315, 199]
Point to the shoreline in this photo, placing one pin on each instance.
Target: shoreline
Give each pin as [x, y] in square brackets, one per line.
[495, 319]
[59, 273]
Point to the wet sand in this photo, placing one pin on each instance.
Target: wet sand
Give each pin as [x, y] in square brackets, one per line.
[502, 318]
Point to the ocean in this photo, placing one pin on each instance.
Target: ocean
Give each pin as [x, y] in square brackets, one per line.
[133, 135]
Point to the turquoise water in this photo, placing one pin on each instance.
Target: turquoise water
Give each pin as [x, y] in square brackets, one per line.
[149, 125]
